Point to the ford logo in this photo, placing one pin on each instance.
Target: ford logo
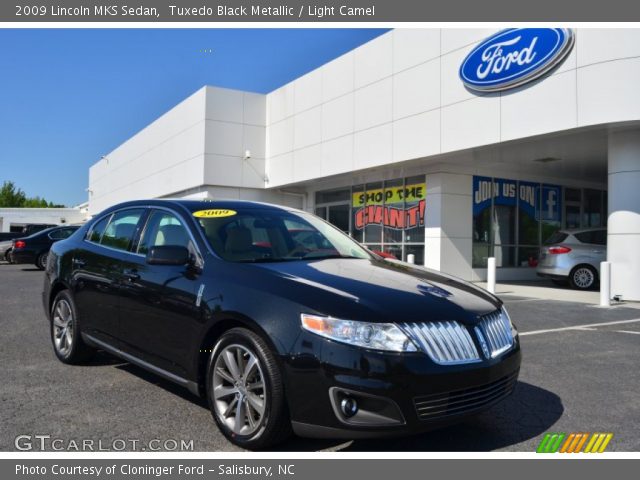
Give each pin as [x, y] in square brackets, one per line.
[515, 56]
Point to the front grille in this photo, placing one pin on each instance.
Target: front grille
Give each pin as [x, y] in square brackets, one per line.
[494, 330]
[460, 402]
[447, 342]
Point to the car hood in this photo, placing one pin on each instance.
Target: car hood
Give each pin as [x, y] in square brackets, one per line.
[375, 290]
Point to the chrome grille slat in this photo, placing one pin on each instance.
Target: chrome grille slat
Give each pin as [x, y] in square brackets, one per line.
[444, 404]
[496, 330]
[446, 342]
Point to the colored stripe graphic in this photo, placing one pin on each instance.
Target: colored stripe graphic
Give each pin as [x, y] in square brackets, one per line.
[551, 442]
[574, 443]
[556, 442]
[598, 442]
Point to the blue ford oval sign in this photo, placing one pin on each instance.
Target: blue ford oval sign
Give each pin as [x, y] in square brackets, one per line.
[514, 56]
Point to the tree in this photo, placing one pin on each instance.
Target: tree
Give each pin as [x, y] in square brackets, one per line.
[13, 197]
[10, 196]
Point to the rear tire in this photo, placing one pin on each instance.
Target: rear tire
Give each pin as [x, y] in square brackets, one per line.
[583, 277]
[66, 333]
[41, 261]
[243, 374]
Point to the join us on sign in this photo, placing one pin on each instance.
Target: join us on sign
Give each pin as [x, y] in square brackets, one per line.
[488, 189]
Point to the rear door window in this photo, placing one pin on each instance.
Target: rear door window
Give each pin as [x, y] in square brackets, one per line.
[600, 237]
[557, 237]
[595, 237]
[61, 234]
[121, 229]
[95, 234]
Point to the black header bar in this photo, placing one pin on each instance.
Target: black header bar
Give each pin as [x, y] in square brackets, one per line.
[319, 11]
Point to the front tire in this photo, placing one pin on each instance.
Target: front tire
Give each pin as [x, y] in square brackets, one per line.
[65, 331]
[246, 391]
[583, 277]
[41, 261]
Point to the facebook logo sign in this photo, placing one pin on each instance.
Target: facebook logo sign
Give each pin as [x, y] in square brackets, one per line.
[551, 207]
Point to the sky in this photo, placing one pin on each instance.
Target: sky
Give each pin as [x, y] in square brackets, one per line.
[70, 96]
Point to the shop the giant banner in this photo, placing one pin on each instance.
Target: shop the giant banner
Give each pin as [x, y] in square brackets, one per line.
[399, 208]
[542, 202]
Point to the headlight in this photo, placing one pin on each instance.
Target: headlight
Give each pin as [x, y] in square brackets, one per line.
[514, 330]
[377, 336]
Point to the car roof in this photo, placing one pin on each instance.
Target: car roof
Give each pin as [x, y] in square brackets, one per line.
[195, 205]
[573, 231]
[49, 230]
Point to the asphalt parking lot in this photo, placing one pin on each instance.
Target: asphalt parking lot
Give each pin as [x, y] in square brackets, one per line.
[575, 377]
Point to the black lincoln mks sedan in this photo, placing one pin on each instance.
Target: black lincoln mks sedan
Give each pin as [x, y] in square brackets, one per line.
[282, 331]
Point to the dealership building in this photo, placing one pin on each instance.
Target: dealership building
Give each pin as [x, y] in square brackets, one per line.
[397, 145]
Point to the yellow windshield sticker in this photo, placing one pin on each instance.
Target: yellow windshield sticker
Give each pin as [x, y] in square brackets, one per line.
[214, 213]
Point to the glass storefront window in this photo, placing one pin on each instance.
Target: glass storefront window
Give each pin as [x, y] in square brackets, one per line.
[386, 216]
[357, 199]
[338, 215]
[415, 201]
[417, 250]
[505, 255]
[528, 205]
[373, 196]
[332, 196]
[593, 212]
[395, 205]
[511, 227]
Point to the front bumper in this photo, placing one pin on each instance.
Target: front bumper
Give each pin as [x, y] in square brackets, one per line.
[426, 395]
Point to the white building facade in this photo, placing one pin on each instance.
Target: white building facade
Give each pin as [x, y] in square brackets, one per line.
[388, 143]
[14, 219]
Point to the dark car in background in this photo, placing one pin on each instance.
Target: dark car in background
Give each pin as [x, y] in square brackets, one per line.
[34, 249]
[25, 231]
[279, 319]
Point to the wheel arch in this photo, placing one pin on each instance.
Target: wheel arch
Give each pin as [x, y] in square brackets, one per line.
[595, 268]
[56, 288]
[214, 331]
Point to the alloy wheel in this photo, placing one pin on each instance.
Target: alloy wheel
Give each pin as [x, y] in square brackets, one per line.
[63, 327]
[583, 278]
[42, 260]
[238, 390]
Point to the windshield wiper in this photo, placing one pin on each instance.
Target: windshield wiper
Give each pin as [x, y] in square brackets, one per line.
[332, 255]
[267, 260]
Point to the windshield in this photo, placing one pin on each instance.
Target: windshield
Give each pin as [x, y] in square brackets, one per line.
[257, 235]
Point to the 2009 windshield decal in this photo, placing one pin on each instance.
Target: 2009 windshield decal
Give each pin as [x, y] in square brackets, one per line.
[214, 213]
[513, 57]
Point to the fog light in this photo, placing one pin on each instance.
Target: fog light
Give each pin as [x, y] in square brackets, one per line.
[349, 407]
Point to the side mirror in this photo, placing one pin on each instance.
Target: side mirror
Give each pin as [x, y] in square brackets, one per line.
[168, 255]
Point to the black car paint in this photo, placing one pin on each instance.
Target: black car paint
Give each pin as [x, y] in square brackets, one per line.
[36, 244]
[150, 313]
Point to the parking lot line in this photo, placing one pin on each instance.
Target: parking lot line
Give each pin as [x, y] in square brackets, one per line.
[627, 331]
[580, 327]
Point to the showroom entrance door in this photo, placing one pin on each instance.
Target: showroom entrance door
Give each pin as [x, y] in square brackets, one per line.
[338, 214]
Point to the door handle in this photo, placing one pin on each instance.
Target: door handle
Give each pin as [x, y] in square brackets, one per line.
[131, 274]
[76, 262]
